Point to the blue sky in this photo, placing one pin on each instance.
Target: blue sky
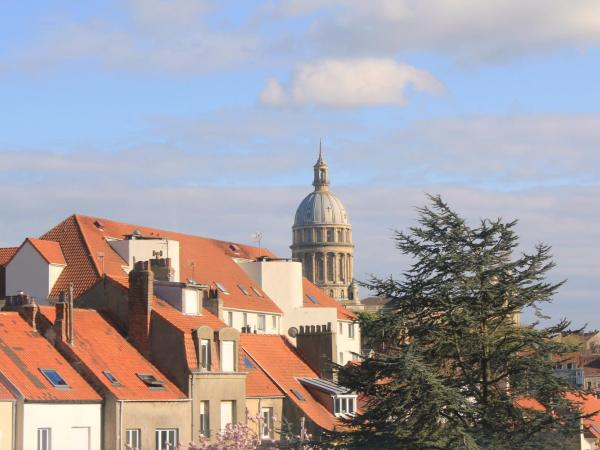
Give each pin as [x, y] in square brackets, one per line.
[206, 116]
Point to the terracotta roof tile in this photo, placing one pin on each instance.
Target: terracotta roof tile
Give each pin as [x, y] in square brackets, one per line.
[6, 253]
[23, 353]
[258, 384]
[282, 364]
[101, 348]
[5, 393]
[49, 250]
[324, 301]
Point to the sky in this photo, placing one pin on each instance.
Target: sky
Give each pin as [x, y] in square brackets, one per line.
[205, 117]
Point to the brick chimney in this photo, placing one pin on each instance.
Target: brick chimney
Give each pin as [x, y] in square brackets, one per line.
[141, 293]
[60, 323]
[317, 345]
[161, 268]
[29, 313]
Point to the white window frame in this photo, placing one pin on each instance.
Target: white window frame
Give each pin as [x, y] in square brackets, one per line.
[205, 359]
[133, 438]
[341, 361]
[344, 404]
[44, 433]
[205, 418]
[351, 330]
[228, 356]
[261, 322]
[266, 413]
[230, 318]
[160, 432]
[274, 322]
[341, 327]
[232, 410]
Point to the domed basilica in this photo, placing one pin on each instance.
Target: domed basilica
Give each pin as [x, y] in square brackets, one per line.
[322, 239]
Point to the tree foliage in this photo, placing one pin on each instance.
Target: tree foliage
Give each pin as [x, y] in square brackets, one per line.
[452, 366]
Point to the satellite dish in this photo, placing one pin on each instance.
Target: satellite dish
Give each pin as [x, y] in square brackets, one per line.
[293, 332]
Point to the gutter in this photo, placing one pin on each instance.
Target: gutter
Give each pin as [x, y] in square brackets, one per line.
[120, 433]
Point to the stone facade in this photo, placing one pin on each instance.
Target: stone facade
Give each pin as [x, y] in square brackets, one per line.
[322, 239]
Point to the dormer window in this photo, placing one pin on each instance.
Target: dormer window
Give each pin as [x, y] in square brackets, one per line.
[344, 405]
[151, 381]
[205, 359]
[227, 356]
[55, 378]
[221, 288]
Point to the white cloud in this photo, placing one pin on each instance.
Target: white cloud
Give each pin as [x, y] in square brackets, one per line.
[350, 83]
[463, 29]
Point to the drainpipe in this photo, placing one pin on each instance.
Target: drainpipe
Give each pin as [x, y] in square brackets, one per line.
[120, 433]
[192, 396]
[14, 419]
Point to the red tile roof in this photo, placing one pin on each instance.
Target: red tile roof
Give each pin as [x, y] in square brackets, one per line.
[258, 384]
[6, 253]
[23, 353]
[49, 250]
[325, 301]
[185, 324]
[282, 364]
[5, 393]
[101, 348]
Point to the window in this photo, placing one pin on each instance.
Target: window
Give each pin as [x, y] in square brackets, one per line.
[54, 378]
[330, 262]
[227, 356]
[245, 319]
[308, 236]
[341, 361]
[44, 439]
[227, 413]
[221, 288]
[341, 327]
[166, 439]
[274, 322]
[351, 330]
[204, 418]
[150, 380]
[133, 438]
[261, 322]
[267, 423]
[319, 234]
[230, 318]
[340, 234]
[191, 302]
[111, 378]
[312, 299]
[243, 289]
[344, 405]
[257, 292]
[247, 363]
[342, 293]
[298, 395]
[330, 235]
[205, 362]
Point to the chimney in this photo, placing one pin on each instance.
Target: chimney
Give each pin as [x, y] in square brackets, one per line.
[317, 345]
[29, 313]
[70, 315]
[60, 322]
[141, 293]
[161, 268]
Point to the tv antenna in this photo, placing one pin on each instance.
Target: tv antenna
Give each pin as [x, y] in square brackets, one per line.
[257, 237]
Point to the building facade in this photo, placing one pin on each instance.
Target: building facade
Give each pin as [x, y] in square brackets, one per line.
[322, 239]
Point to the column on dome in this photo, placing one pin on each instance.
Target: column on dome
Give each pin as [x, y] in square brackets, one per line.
[334, 277]
[342, 271]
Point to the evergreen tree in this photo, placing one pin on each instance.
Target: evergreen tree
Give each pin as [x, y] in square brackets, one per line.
[452, 366]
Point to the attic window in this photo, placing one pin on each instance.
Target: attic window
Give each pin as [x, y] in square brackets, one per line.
[222, 288]
[151, 381]
[298, 395]
[243, 289]
[247, 363]
[256, 291]
[111, 378]
[98, 224]
[234, 248]
[312, 299]
[54, 378]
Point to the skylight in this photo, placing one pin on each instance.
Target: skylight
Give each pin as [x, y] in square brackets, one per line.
[298, 395]
[222, 288]
[248, 363]
[312, 299]
[256, 291]
[111, 377]
[54, 378]
[243, 289]
[151, 381]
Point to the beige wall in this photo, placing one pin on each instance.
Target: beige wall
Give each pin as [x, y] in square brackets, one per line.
[216, 387]
[254, 406]
[29, 272]
[6, 424]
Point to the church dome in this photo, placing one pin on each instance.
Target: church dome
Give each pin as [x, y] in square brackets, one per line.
[321, 208]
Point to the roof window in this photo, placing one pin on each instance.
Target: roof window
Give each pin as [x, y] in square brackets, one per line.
[312, 299]
[234, 248]
[247, 363]
[111, 378]
[222, 288]
[150, 380]
[256, 291]
[54, 378]
[298, 395]
[243, 289]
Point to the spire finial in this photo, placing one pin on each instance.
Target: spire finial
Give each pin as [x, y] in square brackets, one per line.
[320, 151]
[321, 180]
